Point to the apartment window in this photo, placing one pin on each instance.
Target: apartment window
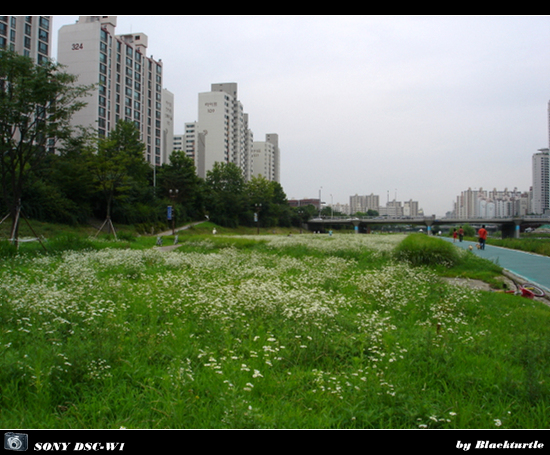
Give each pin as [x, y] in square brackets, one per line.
[43, 48]
[43, 35]
[44, 23]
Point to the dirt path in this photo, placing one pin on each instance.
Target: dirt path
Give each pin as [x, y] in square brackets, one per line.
[173, 247]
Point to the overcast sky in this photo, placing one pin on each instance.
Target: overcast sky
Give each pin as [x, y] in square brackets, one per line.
[418, 107]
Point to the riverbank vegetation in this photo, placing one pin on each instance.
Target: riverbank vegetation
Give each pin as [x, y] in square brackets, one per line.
[269, 331]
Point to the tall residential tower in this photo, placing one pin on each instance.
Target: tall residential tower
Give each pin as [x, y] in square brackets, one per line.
[128, 83]
[27, 35]
[541, 185]
[222, 122]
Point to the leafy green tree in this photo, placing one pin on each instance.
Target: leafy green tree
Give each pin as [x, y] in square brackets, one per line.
[225, 194]
[268, 198]
[180, 175]
[68, 177]
[302, 214]
[36, 106]
[118, 164]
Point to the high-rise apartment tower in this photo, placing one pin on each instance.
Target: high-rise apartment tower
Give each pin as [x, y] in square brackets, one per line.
[223, 124]
[27, 35]
[541, 184]
[129, 84]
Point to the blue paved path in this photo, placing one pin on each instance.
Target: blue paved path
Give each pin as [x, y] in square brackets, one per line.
[531, 267]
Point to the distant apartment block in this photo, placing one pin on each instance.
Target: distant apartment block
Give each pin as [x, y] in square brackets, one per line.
[363, 204]
[303, 202]
[541, 183]
[129, 84]
[27, 35]
[264, 158]
[491, 204]
[222, 134]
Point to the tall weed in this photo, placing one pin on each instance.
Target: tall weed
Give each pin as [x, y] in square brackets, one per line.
[420, 249]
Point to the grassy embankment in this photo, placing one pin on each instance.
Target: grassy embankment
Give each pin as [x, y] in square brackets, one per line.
[307, 331]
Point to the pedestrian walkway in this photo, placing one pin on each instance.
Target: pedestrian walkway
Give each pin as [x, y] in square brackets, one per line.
[183, 228]
[175, 245]
[531, 267]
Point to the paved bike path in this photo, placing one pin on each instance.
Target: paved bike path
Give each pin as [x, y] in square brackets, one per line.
[532, 267]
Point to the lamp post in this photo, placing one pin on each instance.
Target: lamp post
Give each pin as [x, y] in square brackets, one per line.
[257, 216]
[172, 212]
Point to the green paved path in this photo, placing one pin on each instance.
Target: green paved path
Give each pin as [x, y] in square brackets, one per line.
[531, 267]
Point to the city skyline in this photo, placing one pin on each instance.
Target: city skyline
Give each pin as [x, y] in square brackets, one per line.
[421, 105]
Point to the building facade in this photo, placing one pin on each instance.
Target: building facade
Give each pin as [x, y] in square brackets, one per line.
[222, 121]
[491, 204]
[364, 203]
[27, 35]
[264, 158]
[223, 134]
[541, 183]
[129, 84]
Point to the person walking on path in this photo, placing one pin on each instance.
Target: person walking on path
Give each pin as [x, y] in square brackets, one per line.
[460, 234]
[482, 235]
[454, 235]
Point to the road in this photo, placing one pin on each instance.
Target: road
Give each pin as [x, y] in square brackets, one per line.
[532, 267]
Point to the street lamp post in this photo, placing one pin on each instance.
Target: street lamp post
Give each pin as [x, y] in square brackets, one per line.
[257, 216]
[173, 196]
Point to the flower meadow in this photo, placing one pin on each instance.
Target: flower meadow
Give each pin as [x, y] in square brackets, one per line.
[307, 331]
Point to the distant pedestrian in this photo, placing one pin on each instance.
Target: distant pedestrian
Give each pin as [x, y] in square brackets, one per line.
[482, 235]
[460, 234]
[455, 234]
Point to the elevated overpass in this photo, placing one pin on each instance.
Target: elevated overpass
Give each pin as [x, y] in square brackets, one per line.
[509, 226]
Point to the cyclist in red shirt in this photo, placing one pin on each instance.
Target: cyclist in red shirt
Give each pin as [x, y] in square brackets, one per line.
[482, 234]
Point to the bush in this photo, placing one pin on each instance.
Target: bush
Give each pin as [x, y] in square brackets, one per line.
[420, 249]
[69, 242]
[7, 249]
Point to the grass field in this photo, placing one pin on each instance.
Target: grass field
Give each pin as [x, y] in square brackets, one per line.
[269, 331]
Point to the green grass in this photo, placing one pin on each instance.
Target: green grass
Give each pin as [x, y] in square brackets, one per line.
[420, 249]
[264, 331]
[538, 246]
[446, 259]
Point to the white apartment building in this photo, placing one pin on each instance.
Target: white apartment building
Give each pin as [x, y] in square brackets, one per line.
[410, 208]
[190, 142]
[221, 120]
[541, 184]
[264, 158]
[27, 35]
[491, 204]
[167, 126]
[178, 143]
[129, 84]
[273, 138]
[364, 203]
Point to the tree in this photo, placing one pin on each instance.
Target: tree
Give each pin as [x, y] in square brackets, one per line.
[302, 214]
[118, 164]
[181, 175]
[225, 199]
[274, 210]
[36, 106]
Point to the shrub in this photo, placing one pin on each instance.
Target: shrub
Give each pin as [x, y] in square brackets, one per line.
[69, 242]
[420, 249]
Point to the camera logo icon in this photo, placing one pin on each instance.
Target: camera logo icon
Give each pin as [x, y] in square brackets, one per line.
[16, 441]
